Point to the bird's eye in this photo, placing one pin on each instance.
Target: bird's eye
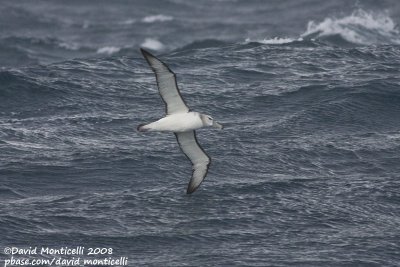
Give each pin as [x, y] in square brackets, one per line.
[209, 118]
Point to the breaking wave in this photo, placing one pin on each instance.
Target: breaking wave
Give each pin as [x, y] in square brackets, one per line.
[157, 18]
[359, 28]
[152, 44]
[275, 40]
[108, 50]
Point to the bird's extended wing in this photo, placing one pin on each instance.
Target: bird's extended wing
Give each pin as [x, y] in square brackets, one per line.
[200, 161]
[167, 86]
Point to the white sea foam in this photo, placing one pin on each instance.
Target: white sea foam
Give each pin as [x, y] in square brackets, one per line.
[157, 18]
[108, 50]
[128, 22]
[69, 46]
[275, 40]
[153, 44]
[361, 27]
[85, 24]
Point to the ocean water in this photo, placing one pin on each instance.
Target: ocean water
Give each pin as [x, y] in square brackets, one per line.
[305, 173]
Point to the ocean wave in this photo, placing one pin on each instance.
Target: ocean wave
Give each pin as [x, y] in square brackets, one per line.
[152, 44]
[69, 46]
[361, 27]
[200, 44]
[26, 50]
[108, 50]
[353, 107]
[157, 18]
[21, 91]
[15, 56]
[128, 22]
[275, 40]
[40, 42]
[9, 193]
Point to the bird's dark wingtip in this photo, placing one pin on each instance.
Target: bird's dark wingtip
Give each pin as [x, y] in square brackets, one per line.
[140, 128]
[191, 189]
[145, 52]
[188, 192]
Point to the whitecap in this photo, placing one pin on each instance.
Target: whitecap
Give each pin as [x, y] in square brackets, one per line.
[108, 50]
[275, 40]
[69, 46]
[85, 24]
[156, 18]
[361, 27]
[152, 44]
[128, 22]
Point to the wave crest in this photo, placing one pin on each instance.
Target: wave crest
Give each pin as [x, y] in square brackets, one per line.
[108, 50]
[201, 44]
[157, 18]
[275, 40]
[152, 44]
[361, 27]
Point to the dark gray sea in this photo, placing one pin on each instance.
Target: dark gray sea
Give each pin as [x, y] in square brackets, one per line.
[305, 173]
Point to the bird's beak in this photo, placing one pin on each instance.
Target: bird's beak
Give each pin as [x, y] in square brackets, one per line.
[217, 125]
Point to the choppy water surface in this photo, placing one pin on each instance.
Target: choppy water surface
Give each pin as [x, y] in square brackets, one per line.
[305, 173]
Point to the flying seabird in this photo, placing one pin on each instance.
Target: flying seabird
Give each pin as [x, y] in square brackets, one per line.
[180, 120]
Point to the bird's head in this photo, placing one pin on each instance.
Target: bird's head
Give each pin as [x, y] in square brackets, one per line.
[209, 121]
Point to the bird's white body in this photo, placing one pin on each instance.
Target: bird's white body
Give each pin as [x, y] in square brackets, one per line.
[177, 123]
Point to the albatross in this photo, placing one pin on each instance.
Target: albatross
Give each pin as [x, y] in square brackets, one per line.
[180, 120]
